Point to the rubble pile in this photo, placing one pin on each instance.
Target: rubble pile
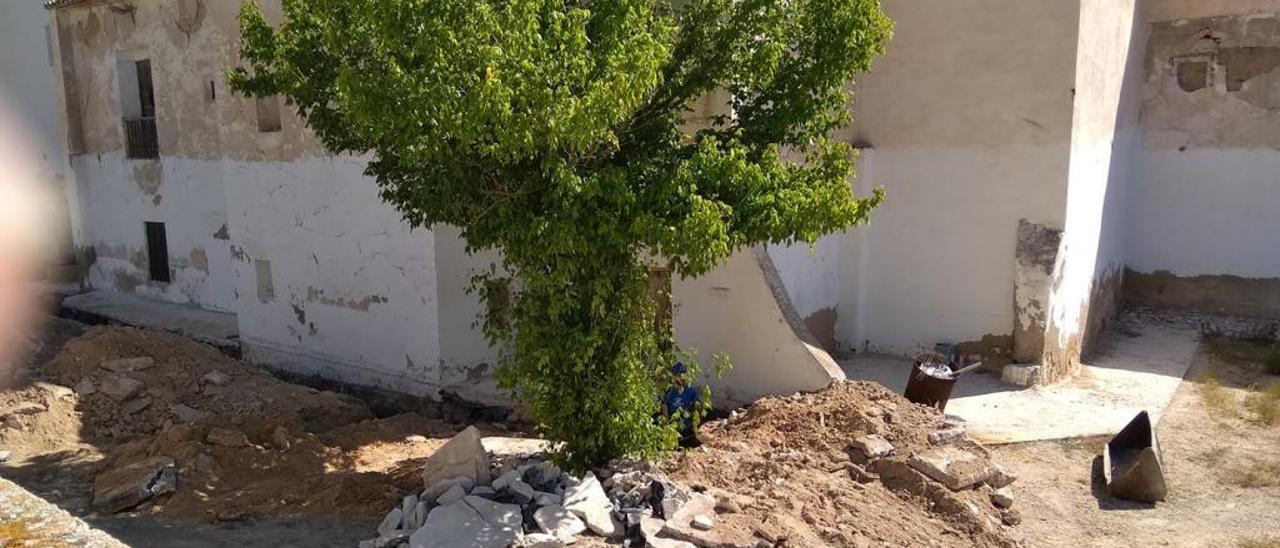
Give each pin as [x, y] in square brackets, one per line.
[852, 465]
[166, 425]
[531, 503]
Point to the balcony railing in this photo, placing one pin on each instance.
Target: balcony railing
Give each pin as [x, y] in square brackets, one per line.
[140, 138]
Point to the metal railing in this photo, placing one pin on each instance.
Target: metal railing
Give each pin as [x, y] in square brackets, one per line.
[140, 138]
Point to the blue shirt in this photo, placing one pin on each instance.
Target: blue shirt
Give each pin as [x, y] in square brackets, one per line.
[676, 398]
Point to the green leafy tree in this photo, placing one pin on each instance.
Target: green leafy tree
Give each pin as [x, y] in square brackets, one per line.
[558, 131]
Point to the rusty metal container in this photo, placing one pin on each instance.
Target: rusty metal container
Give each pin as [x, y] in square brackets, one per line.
[1132, 464]
[930, 384]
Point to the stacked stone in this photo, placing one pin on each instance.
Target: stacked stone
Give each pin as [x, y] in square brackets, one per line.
[537, 505]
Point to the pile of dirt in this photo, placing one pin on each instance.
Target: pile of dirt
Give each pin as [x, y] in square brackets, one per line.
[246, 444]
[786, 462]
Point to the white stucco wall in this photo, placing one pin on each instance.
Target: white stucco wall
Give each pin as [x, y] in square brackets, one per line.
[351, 294]
[188, 197]
[1103, 138]
[29, 87]
[1207, 212]
[965, 122]
[1209, 190]
[735, 309]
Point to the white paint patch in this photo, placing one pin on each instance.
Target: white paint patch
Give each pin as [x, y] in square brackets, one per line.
[1207, 211]
[937, 261]
[355, 289]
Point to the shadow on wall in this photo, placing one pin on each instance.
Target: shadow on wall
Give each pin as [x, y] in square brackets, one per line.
[741, 308]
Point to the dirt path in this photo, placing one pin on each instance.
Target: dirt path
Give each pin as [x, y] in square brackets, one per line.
[1209, 451]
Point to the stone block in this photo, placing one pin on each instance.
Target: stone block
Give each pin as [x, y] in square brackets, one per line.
[956, 468]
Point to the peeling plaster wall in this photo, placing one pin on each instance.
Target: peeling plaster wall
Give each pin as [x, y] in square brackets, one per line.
[966, 122]
[188, 197]
[325, 278]
[1204, 233]
[1103, 140]
[348, 293]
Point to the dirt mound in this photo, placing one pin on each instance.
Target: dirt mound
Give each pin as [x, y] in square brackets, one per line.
[787, 463]
[246, 443]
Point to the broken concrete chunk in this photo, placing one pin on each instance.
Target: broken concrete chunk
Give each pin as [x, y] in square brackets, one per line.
[56, 390]
[1020, 374]
[408, 504]
[216, 378]
[542, 499]
[391, 522]
[454, 494]
[226, 437]
[431, 494]
[872, 446]
[184, 414]
[121, 388]
[84, 387]
[588, 501]
[518, 492]
[542, 476]
[539, 540]
[561, 523]
[651, 527]
[501, 482]
[947, 435]
[120, 489]
[127, 365]
[703, 522]
[1001, 477]
[471, 523]
[462, 456]
[389, 541]
[135, 405]
[1002, 498]
[956, 468]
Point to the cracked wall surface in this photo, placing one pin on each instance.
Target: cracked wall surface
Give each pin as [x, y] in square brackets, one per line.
[1203, 233]
[324, 278]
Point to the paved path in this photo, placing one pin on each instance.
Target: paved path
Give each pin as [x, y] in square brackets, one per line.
[1139, 369]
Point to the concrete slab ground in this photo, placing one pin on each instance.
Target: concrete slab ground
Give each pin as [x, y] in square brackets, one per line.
[1137, 369]
[218, 329]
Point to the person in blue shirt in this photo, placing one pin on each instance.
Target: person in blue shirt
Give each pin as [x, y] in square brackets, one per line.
[681, 397]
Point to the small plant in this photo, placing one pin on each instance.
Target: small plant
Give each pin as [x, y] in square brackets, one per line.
[1219, 404]
[1259, 542]
[1261, 349]
[1265, 405]
[1253, 473]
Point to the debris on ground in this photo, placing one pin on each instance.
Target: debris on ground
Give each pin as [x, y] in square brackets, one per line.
[852, 465]
[242, 443]
[832, 468]
[167, 426]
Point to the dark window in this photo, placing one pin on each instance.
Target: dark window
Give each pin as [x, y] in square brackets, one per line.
[157, 252]
[138, 104]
